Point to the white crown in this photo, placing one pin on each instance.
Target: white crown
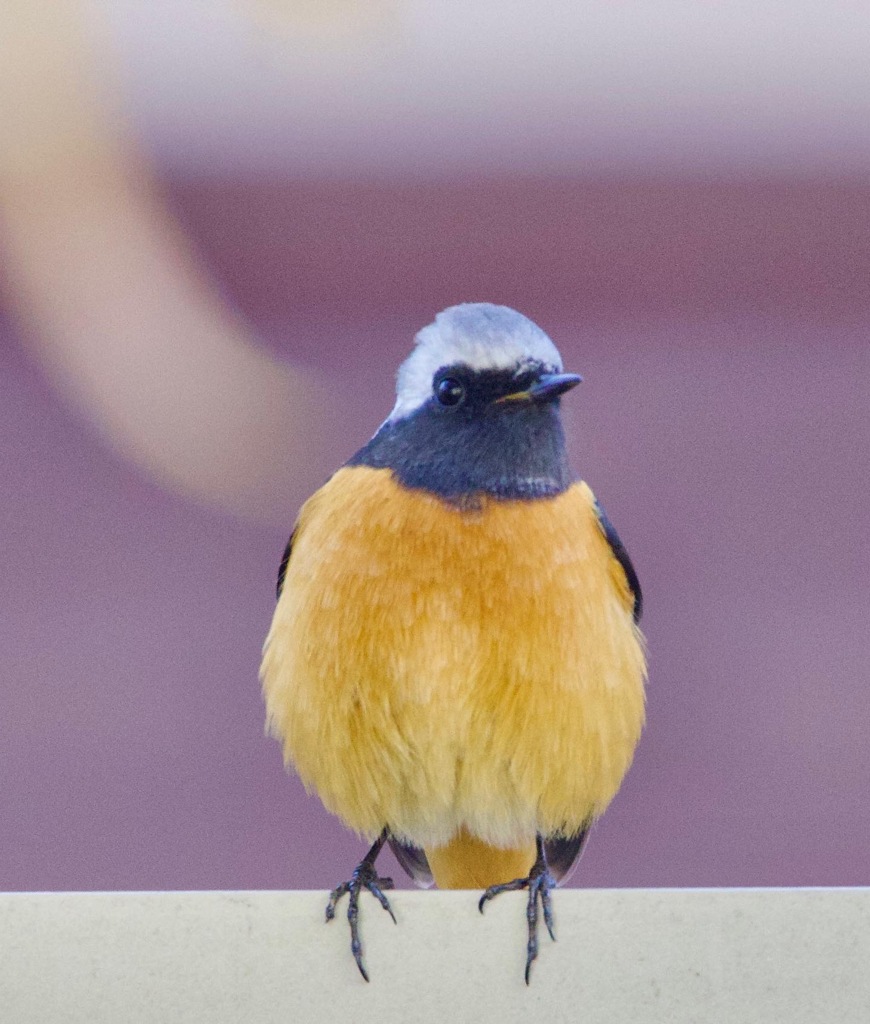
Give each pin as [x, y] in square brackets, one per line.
[477, 335]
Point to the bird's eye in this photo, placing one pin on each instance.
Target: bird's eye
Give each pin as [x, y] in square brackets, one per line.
[449, 391]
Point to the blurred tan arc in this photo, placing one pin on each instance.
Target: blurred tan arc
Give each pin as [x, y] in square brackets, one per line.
[111, 299]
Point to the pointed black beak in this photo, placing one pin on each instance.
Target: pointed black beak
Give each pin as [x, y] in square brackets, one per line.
[547, 387]
[551, 385]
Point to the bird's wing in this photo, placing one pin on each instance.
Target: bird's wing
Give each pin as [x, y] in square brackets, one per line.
[414, 862]
[562, 854]
[282, 568]
[621, 555]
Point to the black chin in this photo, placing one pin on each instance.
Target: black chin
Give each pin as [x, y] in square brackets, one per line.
[475, 450]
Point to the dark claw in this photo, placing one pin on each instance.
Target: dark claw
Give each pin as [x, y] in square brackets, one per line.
[539, 883]
[495, 890]
[365, 877]
[375, 890]
[334, 897]
[547, 905]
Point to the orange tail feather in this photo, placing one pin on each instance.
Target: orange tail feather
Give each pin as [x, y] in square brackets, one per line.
[468, 863]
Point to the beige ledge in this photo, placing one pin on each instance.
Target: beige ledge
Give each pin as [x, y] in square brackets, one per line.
[663, 955]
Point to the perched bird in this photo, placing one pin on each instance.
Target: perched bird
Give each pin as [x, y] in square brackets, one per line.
[454, 665]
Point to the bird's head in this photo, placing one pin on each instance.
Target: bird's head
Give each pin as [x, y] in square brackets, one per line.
[479, 359]
[477, 410]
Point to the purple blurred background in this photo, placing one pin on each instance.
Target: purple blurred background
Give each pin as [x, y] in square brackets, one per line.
[721, 322]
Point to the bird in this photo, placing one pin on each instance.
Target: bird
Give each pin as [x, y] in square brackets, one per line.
[455, 664]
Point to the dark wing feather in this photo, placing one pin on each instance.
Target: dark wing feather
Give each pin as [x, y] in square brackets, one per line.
[414, 862]
[562, 854]
[621, 556]
[282, 568]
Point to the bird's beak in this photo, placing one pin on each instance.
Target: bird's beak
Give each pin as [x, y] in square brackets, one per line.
[547, 387]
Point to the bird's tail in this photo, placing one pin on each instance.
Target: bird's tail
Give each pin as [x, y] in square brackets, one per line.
[468, 863]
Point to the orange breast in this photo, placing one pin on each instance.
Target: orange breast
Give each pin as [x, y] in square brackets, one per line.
[436, 669]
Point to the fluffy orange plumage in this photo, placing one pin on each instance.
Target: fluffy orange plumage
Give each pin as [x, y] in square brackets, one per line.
[467, 676]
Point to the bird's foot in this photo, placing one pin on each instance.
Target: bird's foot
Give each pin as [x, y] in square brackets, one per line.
[364, 877]
[539, 883]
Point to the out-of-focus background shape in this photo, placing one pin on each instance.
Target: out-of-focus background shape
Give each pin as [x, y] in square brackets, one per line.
[221, 225]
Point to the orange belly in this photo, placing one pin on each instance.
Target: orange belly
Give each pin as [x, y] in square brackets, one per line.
[464, 676]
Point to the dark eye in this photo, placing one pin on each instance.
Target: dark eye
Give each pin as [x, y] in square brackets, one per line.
[449, 391]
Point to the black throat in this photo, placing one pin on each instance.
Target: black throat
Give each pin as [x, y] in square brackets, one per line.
[507, 451]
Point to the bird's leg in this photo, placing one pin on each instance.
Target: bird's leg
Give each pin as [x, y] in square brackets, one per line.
[539, 883]
[364, 877]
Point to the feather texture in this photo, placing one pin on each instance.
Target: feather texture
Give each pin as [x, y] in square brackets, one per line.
[454, 671]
